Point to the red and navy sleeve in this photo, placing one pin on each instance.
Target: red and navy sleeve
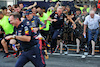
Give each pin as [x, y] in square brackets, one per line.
[27, 31]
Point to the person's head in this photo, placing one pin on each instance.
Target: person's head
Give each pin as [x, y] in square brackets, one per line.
[24, 9]
[33, 10]
[78, 11]
[9, 7]
[17, 8]
[85, 6]
[94, 8]
[84, 11]
[40, 11]
[59, 10]
[43, 9]
[15, 19]
[38, 8]
[21, 5]
[1, 14]
[92, 13]
[4, 10]
[67, 8]
[13, 7]
[63, 7]
[29, 14]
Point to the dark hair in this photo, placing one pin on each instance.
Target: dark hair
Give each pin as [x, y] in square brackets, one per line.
[33, 7]
[16, 15]
[3, 8]
[94, 6]
[21, 3]
[43, 8]
[38, 7]
[15, 6]
[9, 5]
[78, 10]
[84, 10]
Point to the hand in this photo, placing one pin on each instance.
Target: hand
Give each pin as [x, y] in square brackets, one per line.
[9, 37]
[35, 4]
[78, 18]
[84, 33]
[54, 20]
[74, 26]
[35, 30]
[81, 24]
[59, 36]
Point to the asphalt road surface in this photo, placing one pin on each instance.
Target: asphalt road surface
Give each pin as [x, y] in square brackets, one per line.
[57, 60]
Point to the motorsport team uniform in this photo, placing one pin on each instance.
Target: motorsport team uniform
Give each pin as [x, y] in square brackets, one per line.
[30, 50]
[35, 21]
[56, 27]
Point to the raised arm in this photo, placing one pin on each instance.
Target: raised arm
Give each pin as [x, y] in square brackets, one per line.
[32, 5]
[76, 6]
[73, 23]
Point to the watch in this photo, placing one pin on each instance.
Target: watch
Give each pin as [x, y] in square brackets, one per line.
[14, 36]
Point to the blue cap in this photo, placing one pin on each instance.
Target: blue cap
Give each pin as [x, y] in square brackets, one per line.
[28, 12]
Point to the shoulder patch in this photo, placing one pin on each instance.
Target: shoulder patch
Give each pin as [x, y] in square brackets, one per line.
[27, 32]
[32, 21]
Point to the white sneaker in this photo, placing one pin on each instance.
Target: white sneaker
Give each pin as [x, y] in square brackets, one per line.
[66, 52]
[83, 56]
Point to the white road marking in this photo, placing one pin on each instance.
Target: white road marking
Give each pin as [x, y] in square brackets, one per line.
[77, 55]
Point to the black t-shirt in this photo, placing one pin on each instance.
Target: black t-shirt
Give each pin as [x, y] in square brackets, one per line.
[60, 20]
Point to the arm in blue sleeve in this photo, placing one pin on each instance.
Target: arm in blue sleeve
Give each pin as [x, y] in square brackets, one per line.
[41, 23]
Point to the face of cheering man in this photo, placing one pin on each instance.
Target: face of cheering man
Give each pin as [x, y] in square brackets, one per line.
[15, 21]
[29, 16]
[92, 14]
[78, 12]
[34, 11]
[59, 11]
[40, 11]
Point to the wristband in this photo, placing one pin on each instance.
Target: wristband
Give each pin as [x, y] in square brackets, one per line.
[14, 36]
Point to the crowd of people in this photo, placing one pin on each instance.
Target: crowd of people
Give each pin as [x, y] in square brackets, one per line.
[32, 30]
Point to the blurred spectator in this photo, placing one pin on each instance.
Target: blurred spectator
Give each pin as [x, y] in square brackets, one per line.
[21, 6]
[4, 10]
[34, 11]
[8, 30]
[43, 17]
[44, 9]
[94, 8]
[17, 9]
[84, 7]
[9, 9]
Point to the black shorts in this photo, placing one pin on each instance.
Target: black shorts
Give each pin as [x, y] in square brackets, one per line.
[7, 40]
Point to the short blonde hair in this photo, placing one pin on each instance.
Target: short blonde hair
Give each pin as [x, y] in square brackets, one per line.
[60, 7]
[92, 12]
